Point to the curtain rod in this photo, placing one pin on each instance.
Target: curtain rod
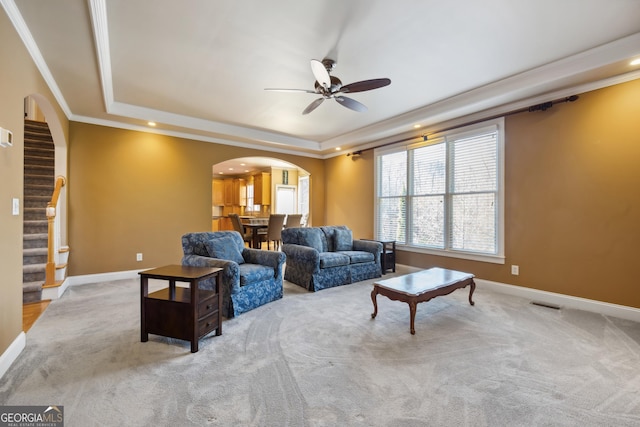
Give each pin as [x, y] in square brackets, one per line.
[538, 107]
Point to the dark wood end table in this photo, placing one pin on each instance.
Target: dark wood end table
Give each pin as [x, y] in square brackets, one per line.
[421, 287]
[388, 255]
[184, 313]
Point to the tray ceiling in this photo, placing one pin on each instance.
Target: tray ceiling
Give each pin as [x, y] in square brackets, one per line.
[198, 68]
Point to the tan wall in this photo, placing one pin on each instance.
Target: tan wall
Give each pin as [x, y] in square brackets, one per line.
[350, 193]
[572, 200]
[133, 192]
[19, 78]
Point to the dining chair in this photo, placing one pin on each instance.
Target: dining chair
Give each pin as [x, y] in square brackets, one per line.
[237, 226]
[293, 220]
[273, 233]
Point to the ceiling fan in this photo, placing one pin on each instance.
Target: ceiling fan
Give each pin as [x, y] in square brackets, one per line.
[331, 87]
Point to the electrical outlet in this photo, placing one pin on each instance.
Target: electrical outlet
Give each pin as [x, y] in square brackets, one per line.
[515, 270]
[138, 257]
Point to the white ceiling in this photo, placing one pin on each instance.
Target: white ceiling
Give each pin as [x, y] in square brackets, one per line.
[199, 67]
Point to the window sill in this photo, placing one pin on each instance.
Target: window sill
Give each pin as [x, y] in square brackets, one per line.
[494, 259]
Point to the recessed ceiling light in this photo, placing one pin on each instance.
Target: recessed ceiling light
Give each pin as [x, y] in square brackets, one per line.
[221, 173]
[151, 123]
[417, 126]
[635, 62]
[338, 148]
[242, 164]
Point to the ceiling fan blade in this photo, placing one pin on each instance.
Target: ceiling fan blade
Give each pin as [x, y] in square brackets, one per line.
[290, 90]
[365, 85]
[351, 104]
[313, 106]
[320, 73]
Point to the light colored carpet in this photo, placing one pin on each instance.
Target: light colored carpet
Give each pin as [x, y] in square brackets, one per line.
[318, 359]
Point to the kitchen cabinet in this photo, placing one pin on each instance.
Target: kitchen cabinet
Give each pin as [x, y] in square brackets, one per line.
[228, 192]
[262, 188]
[239, 192]
[235, 192]
[217, 190]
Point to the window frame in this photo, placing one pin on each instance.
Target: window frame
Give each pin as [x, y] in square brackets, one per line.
[448, 138]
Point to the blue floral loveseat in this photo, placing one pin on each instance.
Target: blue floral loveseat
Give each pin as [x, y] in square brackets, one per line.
[250, 277]
[324, 257]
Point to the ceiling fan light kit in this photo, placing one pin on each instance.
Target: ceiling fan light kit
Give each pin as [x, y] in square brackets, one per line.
[330, 87]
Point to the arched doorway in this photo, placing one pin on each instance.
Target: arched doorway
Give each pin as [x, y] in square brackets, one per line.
[258, 187]
[45, 159]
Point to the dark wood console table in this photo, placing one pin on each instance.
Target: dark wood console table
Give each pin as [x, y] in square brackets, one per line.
[420, 287]
[178, 312]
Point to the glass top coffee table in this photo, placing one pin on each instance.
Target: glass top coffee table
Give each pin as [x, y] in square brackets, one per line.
[420, 287]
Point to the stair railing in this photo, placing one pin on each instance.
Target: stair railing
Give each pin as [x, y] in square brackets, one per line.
[54, 239]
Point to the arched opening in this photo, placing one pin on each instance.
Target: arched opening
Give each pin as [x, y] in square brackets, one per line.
[44, 242]
[256, 187]
[39, 108]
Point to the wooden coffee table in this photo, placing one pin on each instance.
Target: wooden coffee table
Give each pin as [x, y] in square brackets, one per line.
[420, 287]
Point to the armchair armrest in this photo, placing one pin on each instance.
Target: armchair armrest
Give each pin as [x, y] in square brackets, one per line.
[230, 271]
[268, 258]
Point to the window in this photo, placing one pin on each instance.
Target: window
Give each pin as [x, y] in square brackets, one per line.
[250, 206]
[445, 195]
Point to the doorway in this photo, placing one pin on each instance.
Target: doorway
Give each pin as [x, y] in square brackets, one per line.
[286, 199]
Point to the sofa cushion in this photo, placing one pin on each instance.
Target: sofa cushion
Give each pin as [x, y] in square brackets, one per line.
[343, 239]
[333, 259]
[311, 237]
[224, 248]
[255, 273]
[357, 257]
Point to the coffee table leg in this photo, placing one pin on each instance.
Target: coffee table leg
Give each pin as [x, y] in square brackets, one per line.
[473, 288]
[374, 293]
[412, 314]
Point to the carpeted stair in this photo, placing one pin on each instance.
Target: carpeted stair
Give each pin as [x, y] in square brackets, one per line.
[38, 188]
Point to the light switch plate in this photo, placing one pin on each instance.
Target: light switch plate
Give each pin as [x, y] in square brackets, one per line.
[16, 207]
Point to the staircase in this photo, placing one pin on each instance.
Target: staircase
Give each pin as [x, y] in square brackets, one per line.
[38, 187]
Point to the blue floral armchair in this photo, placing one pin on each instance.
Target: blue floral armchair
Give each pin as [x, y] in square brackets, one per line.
[250, 277]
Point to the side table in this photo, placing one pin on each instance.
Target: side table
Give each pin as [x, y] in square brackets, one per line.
[178, 312]
[388, 255]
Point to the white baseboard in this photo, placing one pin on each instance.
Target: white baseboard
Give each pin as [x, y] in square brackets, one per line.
[11, 354]
[604, 308]
[103, 277]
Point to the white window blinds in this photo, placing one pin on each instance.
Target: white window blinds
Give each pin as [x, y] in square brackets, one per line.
[444, 194]
[392, 191]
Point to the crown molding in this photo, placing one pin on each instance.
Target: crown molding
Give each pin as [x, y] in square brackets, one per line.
[25, 35]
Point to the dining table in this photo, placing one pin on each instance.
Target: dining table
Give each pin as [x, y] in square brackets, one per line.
[255, 228]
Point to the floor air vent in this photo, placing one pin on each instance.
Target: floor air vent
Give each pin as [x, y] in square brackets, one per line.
[546, 304]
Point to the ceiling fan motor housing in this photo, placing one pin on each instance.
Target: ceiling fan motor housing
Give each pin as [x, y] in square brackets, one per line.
[336, 85]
